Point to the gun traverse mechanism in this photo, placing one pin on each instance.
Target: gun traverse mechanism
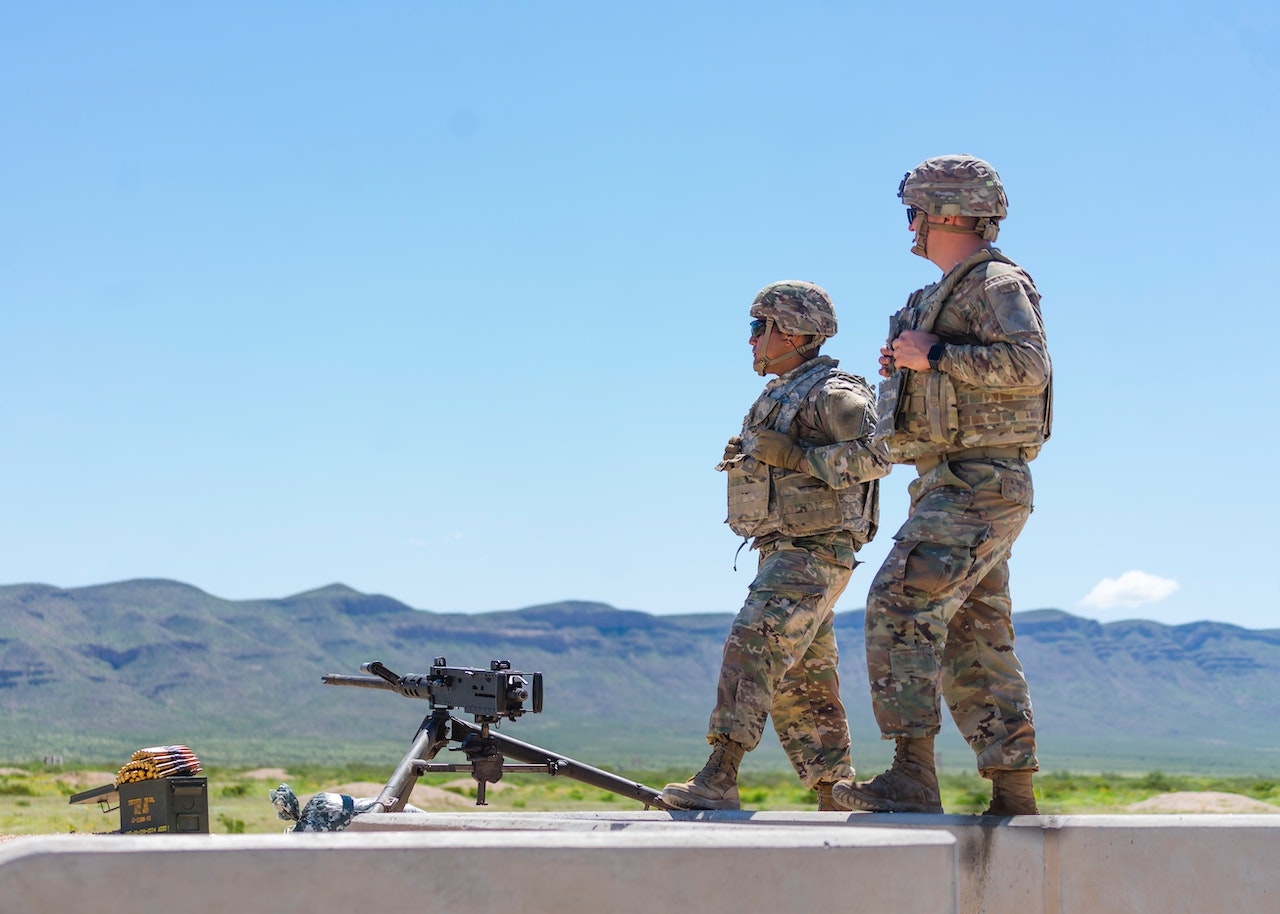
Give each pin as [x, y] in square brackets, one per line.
[489, 696]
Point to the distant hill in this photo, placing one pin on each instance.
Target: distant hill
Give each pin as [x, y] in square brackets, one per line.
[96, 672]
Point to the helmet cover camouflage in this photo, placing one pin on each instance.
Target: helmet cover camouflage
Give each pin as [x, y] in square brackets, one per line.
[796, 307]
[955, 185]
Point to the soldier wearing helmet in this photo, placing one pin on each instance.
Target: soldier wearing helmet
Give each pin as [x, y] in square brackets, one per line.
[803, 490]
[966, 400]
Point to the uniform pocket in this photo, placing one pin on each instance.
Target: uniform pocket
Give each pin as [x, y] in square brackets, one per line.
[913, 665]
[936, 551]
[1017, 489]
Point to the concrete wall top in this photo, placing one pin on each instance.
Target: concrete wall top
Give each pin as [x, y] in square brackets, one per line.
[684, 867]
[1163, 864]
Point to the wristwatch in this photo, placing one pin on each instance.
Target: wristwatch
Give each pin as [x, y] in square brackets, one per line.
[936, 351]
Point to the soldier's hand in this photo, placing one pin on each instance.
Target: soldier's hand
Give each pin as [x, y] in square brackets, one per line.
[777, 450]
[911, 349]
[733, 448]
[886, 362]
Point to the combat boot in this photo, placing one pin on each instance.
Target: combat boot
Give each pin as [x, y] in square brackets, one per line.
[911, 785]
[1012, 794]
[715, 786]
[826, 801]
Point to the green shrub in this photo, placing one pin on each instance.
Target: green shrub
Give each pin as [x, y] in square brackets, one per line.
[18, 787]
[1157, 781]
[232, 826]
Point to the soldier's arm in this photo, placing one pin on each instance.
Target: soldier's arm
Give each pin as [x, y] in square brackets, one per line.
[848, 419]
[1013, 352]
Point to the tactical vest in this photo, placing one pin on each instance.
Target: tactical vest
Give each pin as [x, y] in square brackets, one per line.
[928, 413]
[765, 499]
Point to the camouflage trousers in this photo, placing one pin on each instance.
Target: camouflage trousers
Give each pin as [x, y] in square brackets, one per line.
[780, 658]
[939, 614]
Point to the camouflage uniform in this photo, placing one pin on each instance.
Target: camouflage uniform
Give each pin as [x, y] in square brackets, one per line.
[780, 656]
[802, 488]
[939, 611]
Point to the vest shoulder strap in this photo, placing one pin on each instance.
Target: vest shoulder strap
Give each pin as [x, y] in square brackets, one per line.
[933, 308]
[793, 396]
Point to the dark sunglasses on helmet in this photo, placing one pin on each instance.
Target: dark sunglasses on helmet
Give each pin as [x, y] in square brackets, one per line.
[912, 212]
[757, 327]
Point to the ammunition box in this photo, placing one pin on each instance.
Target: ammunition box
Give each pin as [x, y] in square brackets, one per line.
[178, 805]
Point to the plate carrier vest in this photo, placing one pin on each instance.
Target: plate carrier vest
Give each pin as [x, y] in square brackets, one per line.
[765, 499]
[927, 413]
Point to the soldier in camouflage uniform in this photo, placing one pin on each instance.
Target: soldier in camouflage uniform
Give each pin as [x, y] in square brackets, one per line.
[967, 401]
[802, 486]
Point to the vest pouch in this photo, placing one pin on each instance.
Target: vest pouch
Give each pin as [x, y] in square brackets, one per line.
[806, 505]
[928, 416]
[748, 497]
[941, 413]
[997, 418]
[888, 401]
[861, 507]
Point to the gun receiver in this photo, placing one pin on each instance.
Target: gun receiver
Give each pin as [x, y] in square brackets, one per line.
[490, 694]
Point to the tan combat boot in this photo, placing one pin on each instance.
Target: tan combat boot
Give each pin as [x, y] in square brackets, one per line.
[911, 785]
[826, 801]
[715, 786]
[1011, 794]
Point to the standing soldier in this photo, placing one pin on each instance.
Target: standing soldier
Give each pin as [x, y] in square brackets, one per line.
[802, 485]
[967, 400]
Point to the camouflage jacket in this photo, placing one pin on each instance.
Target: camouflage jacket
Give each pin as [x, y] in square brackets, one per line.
[992, 386]
[832, 415]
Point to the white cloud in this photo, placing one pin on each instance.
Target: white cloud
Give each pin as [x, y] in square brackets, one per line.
[1133, 588]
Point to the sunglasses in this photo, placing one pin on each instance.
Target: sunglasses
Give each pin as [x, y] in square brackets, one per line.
[757, 327]
[912, 212]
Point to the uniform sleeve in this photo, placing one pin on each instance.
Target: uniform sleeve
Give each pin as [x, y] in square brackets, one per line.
[1012, 352]
[847, 418]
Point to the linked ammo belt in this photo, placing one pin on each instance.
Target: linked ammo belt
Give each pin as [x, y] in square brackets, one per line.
[928, 462]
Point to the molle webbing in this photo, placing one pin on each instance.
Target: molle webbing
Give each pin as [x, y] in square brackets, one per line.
[764, 499]
[932, 414]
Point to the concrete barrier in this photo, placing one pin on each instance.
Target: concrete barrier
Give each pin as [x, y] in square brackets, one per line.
[481, 862]
[1170, 864]
[701, 867]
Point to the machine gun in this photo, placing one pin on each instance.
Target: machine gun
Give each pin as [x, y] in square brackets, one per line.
[489, 696]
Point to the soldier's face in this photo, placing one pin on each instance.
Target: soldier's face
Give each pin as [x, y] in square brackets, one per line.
[778, 346]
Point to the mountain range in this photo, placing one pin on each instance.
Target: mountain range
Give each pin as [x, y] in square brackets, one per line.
[93, 673]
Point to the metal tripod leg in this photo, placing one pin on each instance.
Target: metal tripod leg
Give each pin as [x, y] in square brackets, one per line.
[557, 764]
[432, 736]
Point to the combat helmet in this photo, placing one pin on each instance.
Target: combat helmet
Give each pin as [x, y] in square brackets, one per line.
[956, 185]
[794, 307]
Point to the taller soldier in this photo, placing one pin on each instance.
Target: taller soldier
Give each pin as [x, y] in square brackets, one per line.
[802, 487]
[966, 400]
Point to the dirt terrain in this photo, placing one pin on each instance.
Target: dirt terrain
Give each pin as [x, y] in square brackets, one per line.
[1207, 801]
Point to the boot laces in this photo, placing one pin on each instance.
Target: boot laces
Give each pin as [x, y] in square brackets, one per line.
[714, 762]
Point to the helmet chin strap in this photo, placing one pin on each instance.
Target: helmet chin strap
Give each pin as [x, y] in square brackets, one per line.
[987, 228]
[762, 365]
[922, 237]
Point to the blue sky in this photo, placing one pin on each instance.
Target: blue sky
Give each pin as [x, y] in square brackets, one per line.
[448, 301]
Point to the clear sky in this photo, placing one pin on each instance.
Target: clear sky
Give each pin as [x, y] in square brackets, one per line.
[448, 300]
